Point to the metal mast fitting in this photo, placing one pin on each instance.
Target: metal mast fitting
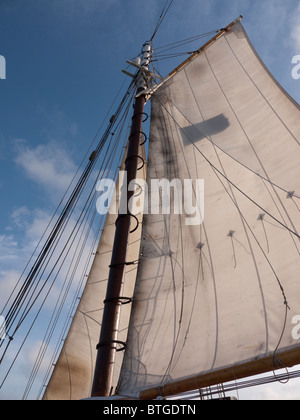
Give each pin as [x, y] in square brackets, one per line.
[144, 76]
[108, 343]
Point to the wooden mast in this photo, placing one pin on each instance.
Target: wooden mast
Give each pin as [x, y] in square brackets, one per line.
[108, 343]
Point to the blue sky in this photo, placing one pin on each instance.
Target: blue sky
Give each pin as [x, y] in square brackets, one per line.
[63, 68]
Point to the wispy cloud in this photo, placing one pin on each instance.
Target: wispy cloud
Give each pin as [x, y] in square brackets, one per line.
[8, 245]
[295, 33]
[16, 249]
[47, 165]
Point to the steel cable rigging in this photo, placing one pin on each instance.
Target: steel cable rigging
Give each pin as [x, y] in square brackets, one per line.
[29, 291]
[162, 16]
[113, 152]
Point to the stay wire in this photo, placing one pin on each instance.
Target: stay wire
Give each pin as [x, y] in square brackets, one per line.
[169, 47]
[31, 278]
[109, 158]
[239, 162]
[219, 174]
[59, 205]
[217, 171]
[163, 14]
[232, 183]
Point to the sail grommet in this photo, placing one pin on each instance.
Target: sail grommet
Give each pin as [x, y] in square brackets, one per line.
[108, 342]
[139, 157]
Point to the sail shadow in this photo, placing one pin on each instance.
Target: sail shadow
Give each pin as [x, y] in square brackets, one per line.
[205, 129]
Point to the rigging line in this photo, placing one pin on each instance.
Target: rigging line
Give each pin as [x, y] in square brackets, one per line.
[295, 202]
[72, 200]
[243, 223]
[231, 233]
[184, 41]
[287, 308]
[239, 385]
[33, 278]
[207, 239]
[67, 319]
[279, 211]
[163, 258]
[262, 178]
[42, 304]
[174, 172]
[238, 60]
[231, 182]
[162, 17]
[91, 202]
[249, 141]
[211, 264]
[55, 315]
[276, 358]
[225, 189]
[48, 246]
[56, 210]
[256, 240]
[170, 56]
[111, 158]
[48, 336]
[236, 160]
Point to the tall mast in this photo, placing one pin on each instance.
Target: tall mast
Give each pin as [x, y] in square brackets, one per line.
[107, 346]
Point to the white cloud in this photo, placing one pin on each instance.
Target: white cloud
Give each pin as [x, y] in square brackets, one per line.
[14, 256]
[295, 33]
[48, 165]
[8, 247]
[8, 280]
[16, 249]
[18, 217]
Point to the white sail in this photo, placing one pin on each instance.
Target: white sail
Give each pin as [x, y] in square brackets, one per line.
[73, 374]
[223, 294]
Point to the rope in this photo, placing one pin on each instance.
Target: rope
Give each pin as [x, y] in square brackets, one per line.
[163, 14]
[228, 180]
[32, 295]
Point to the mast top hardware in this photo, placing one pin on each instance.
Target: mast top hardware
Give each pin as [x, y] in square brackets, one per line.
[143, 70]
[143, 77]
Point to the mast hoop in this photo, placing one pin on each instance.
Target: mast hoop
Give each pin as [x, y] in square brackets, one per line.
[109, 342]
[122, 299]
[122, 264]
[139, 157]
[142, 113]
[142, 133]
[131, 215]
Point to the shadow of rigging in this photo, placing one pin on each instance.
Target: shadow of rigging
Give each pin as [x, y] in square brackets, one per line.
[204, 129]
